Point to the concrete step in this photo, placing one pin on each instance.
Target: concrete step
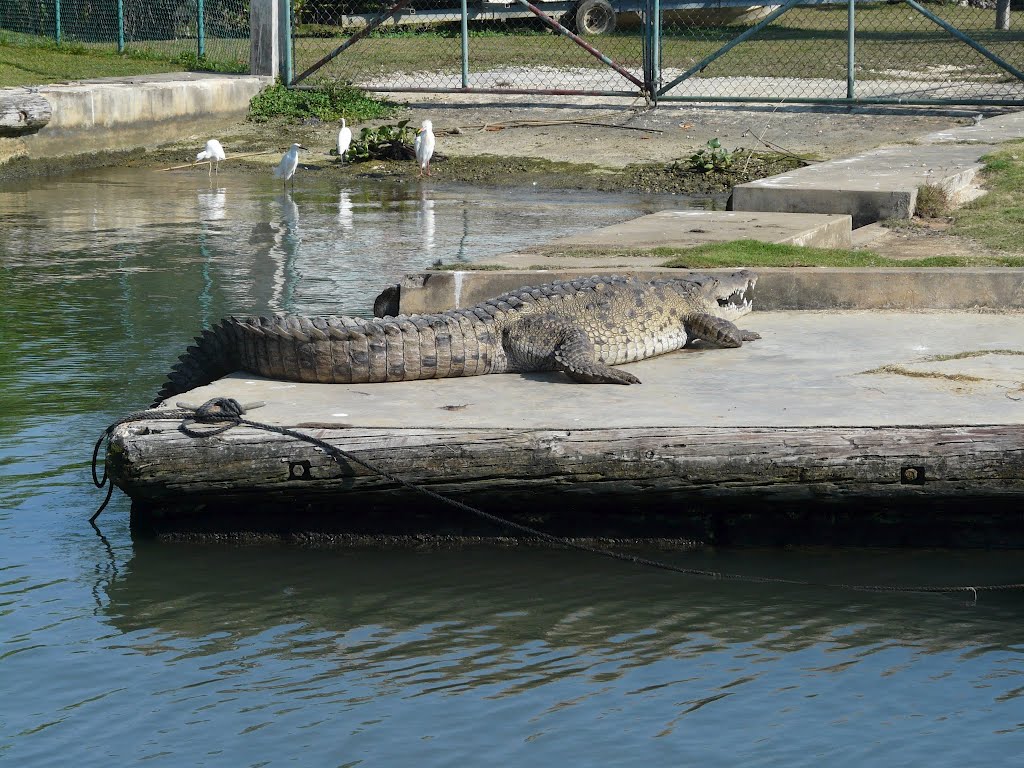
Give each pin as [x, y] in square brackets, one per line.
[685, 229]
[872, 186]
[680, 229]
[779, 288]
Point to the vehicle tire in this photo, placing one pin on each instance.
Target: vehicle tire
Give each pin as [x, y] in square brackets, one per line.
[595, 17]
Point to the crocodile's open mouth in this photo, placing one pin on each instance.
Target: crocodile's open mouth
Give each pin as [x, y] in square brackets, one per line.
[741, 300]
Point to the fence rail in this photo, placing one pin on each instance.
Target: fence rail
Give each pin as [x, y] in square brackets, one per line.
[214, 33]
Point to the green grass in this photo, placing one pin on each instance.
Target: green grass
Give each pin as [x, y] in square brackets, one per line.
[328, 104]
[28, 61]
[752, 253]
[996, 220]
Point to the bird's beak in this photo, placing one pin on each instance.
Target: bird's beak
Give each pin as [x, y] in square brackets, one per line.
[302, 147]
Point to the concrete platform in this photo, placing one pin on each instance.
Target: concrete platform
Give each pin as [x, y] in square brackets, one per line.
[809, 369]
[688, 228]
[871, 186]
[119, 114]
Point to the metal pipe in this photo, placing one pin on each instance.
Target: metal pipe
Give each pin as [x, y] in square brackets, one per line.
[465, 44]
[200, 30]
[561, 30]
[655, 84]
[965, 39]
[730, 45]
[56, 20]
[852, 102]
[120, 26]
[851, 25]
[286, 31]
[516, 91]
[352, 40]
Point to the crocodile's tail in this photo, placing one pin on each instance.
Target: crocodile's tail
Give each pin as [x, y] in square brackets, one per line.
[342, 350]
[214, 354]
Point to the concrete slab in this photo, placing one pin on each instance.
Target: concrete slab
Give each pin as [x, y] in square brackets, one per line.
[688, 228]
[781, 288]
[125, 113]
[1007, 127]
[871, 186]
[810, 369]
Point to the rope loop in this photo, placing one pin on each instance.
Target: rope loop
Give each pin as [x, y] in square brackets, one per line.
[219, 409]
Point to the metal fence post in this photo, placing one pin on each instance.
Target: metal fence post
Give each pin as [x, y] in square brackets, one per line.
[56, 20]
[851, 77]
[120, 26]
[200, 30]
[655, 50]
[287, 72]
[465, 44]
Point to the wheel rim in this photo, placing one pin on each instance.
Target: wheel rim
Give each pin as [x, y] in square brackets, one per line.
[596, 19]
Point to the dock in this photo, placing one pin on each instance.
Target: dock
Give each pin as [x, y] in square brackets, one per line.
[880, 407]
[853, 426]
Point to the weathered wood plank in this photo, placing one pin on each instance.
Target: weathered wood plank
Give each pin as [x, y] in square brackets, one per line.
[23, 113]
[156, 459]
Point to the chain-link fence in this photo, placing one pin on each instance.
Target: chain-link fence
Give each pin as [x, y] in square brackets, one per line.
[905, 51]
[196, 33]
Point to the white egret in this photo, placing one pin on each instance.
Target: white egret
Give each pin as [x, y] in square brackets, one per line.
[213, 153]
[286, 168]
[344, 140]
[424, 146]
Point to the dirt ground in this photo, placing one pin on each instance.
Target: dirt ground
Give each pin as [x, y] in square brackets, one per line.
[614, 145]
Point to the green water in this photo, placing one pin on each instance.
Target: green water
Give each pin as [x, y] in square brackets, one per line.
[115, 651]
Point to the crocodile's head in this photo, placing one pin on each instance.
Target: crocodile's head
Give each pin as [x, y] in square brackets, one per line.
[728, 296]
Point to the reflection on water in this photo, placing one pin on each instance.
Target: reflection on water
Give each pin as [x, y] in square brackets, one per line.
[214, 655]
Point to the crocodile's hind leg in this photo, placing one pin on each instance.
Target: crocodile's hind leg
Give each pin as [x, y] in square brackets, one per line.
[554, 343]
[718, 331]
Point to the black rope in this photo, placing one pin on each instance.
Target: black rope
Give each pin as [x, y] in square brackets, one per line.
[230, 411]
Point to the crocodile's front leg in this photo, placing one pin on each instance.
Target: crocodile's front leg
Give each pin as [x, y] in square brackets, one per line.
[554, 343]
[717, 330]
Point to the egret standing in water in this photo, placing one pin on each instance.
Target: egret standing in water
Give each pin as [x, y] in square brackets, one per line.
[424, 147]
[344, 140]
[213, 153]
[286, 168]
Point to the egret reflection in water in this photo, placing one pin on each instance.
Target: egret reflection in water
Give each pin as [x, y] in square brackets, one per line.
[213, 204]
[345, 211]
[425, 222]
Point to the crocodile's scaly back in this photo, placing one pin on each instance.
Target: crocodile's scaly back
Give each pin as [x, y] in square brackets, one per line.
[580, 326]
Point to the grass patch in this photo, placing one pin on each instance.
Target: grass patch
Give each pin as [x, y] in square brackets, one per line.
[29, 61]
[996, 219]
[752, 253]
[328, 104]
[440, 266]
[899, 370]
[932, 202]
[975, 353]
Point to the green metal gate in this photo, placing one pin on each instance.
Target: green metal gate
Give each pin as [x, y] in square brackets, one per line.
[796, 51]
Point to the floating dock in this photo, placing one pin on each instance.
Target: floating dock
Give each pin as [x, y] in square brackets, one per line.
[848, 426]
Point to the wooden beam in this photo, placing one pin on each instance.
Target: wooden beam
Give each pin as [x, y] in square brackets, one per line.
[859, 471]
[23, 113]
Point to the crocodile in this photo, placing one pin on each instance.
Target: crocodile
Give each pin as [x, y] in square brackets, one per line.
[581, 327]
